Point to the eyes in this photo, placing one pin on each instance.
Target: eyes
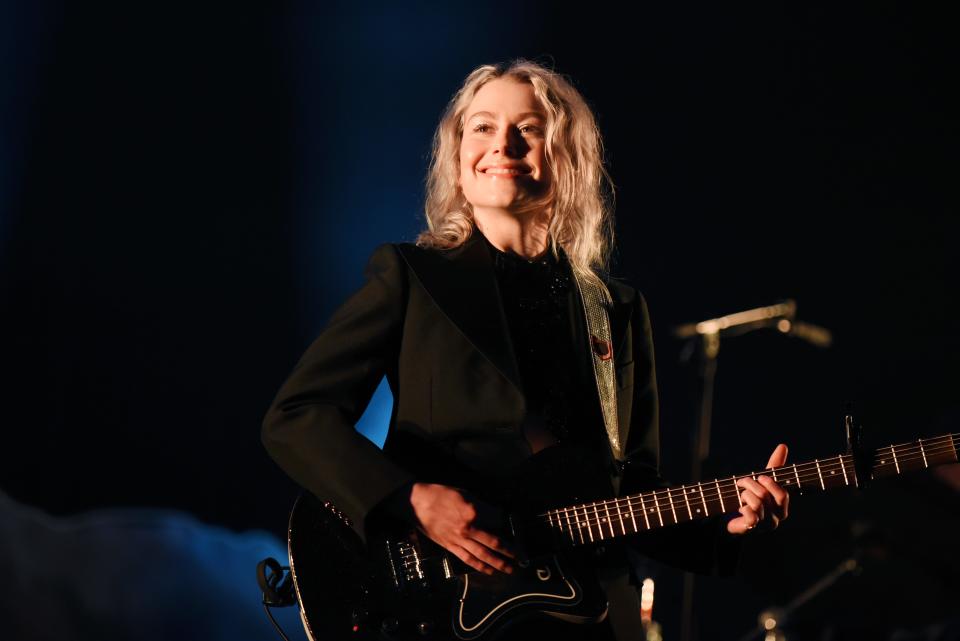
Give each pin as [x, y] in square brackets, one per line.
[482, 128]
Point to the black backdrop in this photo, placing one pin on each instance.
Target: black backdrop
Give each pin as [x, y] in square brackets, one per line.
[188, 192]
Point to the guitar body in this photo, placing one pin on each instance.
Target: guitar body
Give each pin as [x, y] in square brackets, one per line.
[407, 587]
[402, 585]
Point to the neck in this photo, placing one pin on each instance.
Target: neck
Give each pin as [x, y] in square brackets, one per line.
[524, 236]
[590, 522]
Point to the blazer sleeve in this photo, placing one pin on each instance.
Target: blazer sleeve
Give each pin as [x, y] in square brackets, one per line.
[309, 429]
[702, 546]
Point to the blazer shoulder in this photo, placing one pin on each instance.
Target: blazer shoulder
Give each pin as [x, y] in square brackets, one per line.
[414, 251]
[385, 264]
[427, 260]
[622, 292]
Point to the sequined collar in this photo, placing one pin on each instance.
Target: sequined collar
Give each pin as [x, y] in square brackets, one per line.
[505, 262]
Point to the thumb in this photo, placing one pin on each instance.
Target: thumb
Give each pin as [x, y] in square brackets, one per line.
[779, 456]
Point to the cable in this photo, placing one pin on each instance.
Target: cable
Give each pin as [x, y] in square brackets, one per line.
[266, 608]
[278, 589]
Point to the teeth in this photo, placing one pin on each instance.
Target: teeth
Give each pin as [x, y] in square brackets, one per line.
[506, 172]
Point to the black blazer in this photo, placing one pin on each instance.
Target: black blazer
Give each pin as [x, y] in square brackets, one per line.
[432, 322]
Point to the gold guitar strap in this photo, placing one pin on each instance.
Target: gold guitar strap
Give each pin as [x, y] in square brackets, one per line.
[601, 349]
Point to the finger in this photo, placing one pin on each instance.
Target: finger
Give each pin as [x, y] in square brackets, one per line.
[493, 542]
[753, 502]
[779, 456]
[780, 496]
[753, 487]
[744, 523]
[464, 555]
[486, 556]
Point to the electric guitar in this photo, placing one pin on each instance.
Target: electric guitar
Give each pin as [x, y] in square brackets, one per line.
[403, 586]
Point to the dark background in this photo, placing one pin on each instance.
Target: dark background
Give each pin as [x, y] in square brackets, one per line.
[187, 192]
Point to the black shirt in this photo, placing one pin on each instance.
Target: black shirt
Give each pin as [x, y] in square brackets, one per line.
[536, 297]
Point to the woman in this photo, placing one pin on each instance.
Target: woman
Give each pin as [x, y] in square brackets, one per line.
[481, 332]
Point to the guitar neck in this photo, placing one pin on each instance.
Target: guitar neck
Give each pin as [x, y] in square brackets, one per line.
[607, 519]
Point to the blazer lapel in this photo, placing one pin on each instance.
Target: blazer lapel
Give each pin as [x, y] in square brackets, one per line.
[463, 285]
[620, 314]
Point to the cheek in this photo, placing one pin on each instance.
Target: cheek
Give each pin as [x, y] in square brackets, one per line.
[468, 161]
[541, 160]
[468, 157]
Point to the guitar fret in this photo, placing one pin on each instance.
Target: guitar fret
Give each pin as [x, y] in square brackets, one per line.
[656, 502]
[694, 491]
[606, 508]
[893, 453]
[585, 521]
[632, 520]
[703, 499]
[922, 453]
[591, 521]
[831, 468]
[817, 463]
[643, 508]
[563, 522]
[720, 495]
[672, 509]
[620, 516]
[686, 500]
[596, 516]
[570, 526]
[844, 468]
[733, 479]
[797, 476]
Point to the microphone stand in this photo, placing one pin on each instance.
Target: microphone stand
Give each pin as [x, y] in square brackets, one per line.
[772, 620]
[781, 316]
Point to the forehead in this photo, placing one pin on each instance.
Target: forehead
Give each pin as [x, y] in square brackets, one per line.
[505, 97]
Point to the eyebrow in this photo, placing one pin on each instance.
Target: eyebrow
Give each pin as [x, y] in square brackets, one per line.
[526, 114]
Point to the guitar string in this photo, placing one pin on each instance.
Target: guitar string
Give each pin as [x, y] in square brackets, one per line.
[583, 519]
[608, 523]
[810, 467]
[828, 465]
[807, 472]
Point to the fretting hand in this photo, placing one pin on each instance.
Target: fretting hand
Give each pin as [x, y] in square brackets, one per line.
[765, 503]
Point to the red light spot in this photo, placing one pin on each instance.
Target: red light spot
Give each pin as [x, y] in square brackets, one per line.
[356, 628]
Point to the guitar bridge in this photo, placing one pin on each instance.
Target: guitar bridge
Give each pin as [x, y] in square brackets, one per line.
[410, 561]
[405, 563]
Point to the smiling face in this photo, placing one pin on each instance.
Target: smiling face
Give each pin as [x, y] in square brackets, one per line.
[503, 165]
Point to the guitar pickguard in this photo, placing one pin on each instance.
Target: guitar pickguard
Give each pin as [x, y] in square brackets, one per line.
[541, 587]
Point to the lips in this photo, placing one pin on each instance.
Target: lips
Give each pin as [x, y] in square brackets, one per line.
[505, 170]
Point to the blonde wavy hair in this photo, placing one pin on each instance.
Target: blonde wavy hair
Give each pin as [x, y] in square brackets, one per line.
[582, 192]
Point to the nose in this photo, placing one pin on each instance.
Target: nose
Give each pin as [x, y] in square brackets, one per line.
[509, 142]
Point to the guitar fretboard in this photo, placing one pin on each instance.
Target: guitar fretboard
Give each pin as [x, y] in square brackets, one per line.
[607, 519]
